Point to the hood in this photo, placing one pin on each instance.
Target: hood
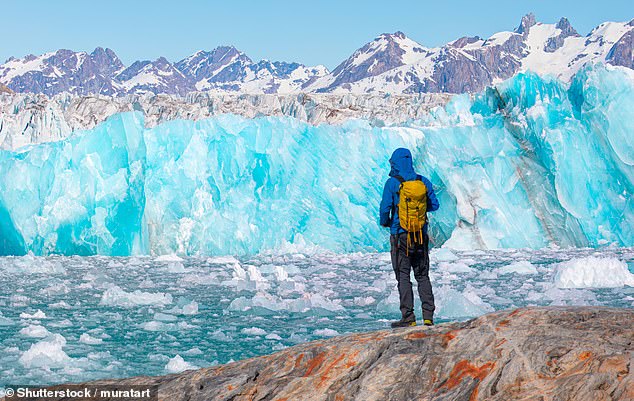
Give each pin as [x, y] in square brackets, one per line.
[401, 163]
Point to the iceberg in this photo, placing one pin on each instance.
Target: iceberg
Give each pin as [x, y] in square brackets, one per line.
[593, 272]
[530, 163]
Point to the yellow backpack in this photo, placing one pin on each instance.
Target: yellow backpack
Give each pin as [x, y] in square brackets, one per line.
[412, 208]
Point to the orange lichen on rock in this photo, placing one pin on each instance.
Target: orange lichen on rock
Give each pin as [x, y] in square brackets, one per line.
[299, 360]
[585, 355]
[415, 336]
[516, 312]
[503, 323]
[447, 337]
[230, 387]
[352, 360]
[465, 368]
[315, 363]
[326, 373]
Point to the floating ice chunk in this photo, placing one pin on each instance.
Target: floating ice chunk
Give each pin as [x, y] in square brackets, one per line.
[172, 263]
[273, 336]
[488, 274]
[178, 364]
[519, 267]
[364, 301]
[175, 267]
[319, 302]
[155, 325]
[5, 321]
[325, 333]
[559, 297]
[164, 317]
[250, 279]
[37, 315]
[219, 335]
[62, 323]
[168, 258]
[253, 331]
[238, 272]
[443, 255]
[280, 273]
[115, 296]
[90, 340]
[190, 309]
[222, 260]
[254, 273]
[35, 331]
[593, 272]
[452, 304]
[46, 354]
[59, 305]
[30, 264]
[193, 351]
[456, 267]
[240, 304]
[389, 304]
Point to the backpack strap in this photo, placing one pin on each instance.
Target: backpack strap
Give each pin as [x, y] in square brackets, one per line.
[401, 179]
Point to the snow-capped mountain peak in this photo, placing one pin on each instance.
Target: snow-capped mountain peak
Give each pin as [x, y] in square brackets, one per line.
[390, 63]
[158, 76]
[384, 53]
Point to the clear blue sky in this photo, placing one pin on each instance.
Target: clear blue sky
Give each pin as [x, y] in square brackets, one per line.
[310, 32]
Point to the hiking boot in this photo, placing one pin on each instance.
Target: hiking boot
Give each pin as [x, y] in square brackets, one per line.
[428, 322]
[405, 322]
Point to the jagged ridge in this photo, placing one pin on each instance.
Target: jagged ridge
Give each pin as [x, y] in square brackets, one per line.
[391, 63]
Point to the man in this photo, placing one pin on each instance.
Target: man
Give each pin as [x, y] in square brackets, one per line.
[409, 240]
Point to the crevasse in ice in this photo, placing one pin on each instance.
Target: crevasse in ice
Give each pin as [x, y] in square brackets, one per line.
[530, 164]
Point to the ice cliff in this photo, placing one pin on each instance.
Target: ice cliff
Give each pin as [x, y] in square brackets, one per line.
[531, 163]
[28, 118]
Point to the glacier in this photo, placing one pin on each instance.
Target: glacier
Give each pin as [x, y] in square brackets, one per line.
[529, 163]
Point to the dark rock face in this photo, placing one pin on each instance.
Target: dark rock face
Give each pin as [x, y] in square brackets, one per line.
[525, 25]
[68, 71]
[223, 64]
[558, 41]
[556, 353]
[164, 78]
[622, 53]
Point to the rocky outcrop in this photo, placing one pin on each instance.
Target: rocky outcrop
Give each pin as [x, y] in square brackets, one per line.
[622, 53]
[556, 42]
[525, 25]
[555, 353]
[4, 89]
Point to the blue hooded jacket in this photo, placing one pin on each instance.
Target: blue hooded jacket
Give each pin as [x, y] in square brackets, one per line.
[401, 163]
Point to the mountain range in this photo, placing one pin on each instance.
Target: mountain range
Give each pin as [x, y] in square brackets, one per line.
[391, 63]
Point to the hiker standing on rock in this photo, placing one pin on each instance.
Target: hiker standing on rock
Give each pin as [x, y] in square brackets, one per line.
[407, 197]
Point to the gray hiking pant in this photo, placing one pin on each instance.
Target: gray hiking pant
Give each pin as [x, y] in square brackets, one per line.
[403, 261]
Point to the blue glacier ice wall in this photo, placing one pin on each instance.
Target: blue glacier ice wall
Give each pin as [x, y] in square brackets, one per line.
[530, 164]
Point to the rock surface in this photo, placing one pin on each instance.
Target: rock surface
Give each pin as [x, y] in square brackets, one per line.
[553, 353]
